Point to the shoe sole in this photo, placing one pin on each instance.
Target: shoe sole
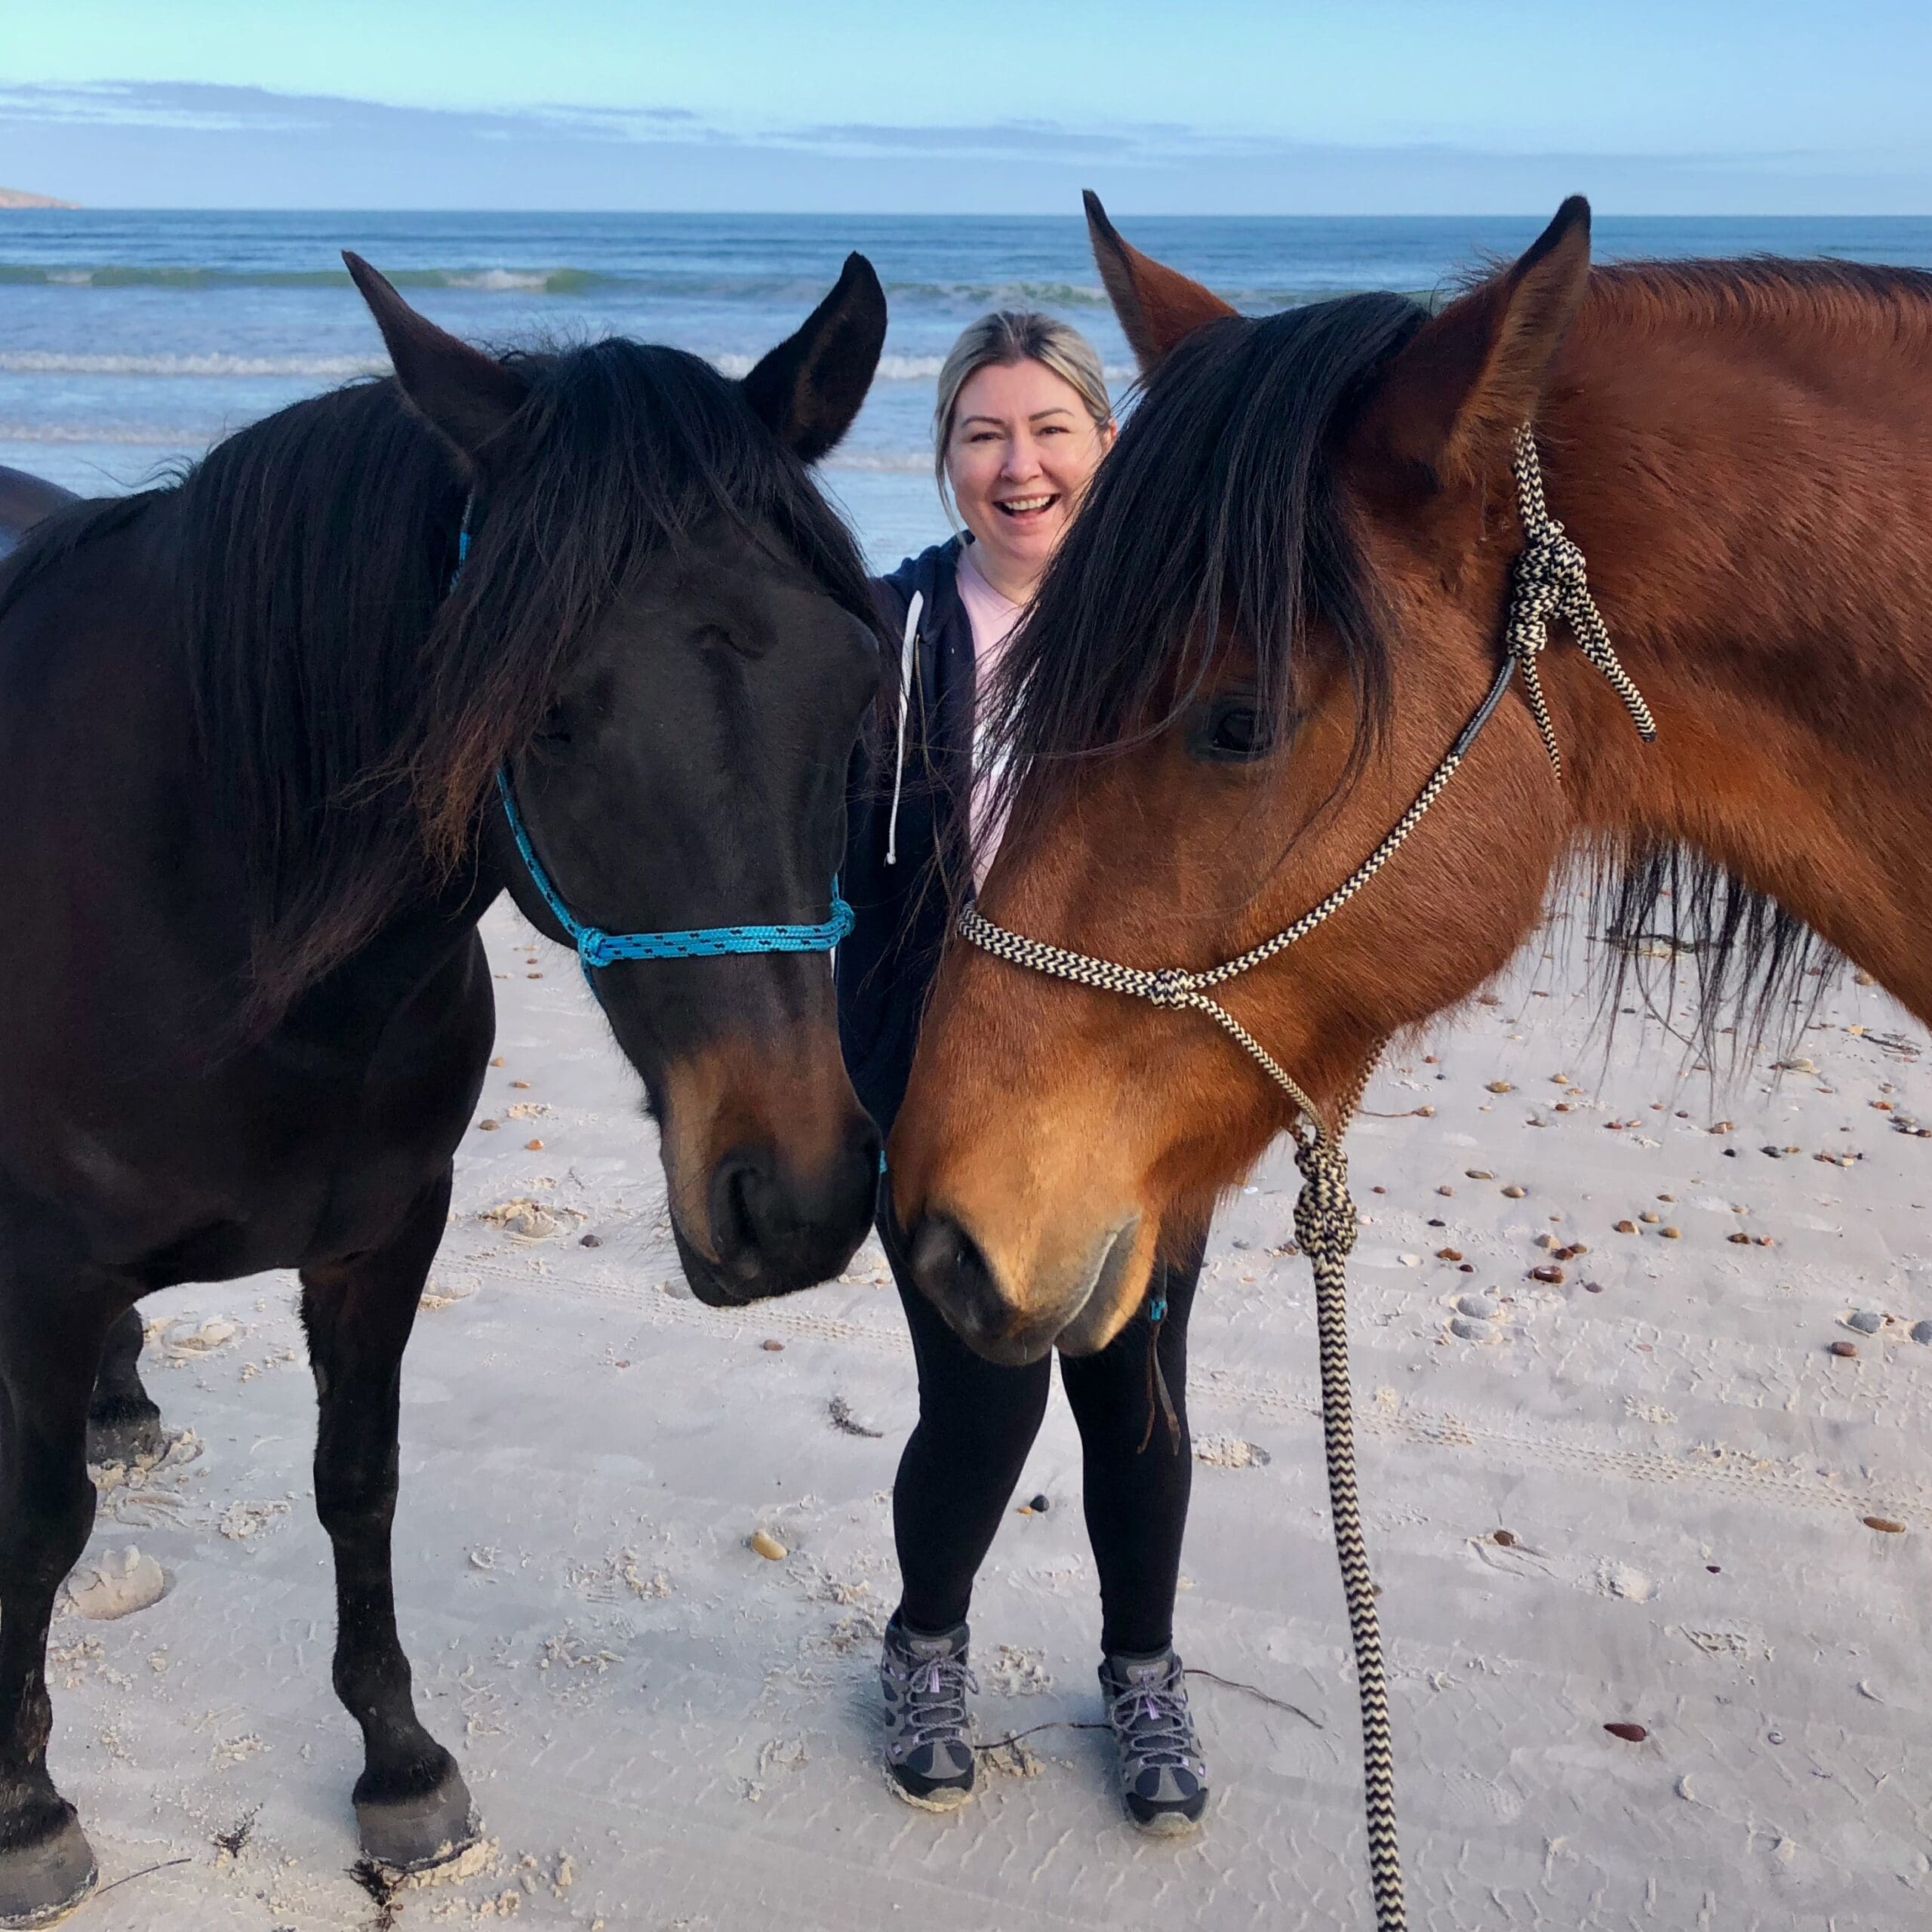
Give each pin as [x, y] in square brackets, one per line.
[1164, 1824]
[948, 1798]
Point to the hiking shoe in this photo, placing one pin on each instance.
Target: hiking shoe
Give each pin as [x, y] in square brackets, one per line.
[928, 1735]
[1163, 1778]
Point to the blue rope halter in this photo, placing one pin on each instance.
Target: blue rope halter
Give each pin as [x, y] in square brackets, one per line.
[595, 947]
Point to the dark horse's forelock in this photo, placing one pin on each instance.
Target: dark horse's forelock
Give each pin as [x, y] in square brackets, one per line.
[622, 449]
[351, 706]
[1215, 518]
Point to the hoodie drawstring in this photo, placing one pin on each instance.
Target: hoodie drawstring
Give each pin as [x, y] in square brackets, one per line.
[905, 649]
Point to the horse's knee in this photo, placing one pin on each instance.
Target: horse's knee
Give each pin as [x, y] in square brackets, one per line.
[356, 1503]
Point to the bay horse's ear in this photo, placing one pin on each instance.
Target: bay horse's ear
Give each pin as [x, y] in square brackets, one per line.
[468, 395]
[1156, 305]
[1472, 375]
[809, 388]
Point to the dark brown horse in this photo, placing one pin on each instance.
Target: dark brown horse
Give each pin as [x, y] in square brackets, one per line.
[1283, 601]
[251, 742]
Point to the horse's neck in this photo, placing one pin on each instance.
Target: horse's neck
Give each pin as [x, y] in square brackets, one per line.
[1755, 519]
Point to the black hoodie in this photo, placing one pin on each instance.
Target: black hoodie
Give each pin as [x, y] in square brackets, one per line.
[885, 970]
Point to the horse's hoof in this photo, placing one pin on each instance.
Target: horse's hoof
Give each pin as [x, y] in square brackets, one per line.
[136, 1436]
[420, 1833]
[41, 1884]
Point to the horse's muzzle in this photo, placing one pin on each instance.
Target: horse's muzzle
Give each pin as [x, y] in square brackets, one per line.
[774, 1229]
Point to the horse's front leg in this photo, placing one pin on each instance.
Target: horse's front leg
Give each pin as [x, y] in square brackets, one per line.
[412, 1807]
[50, 1341]
[124, 1425]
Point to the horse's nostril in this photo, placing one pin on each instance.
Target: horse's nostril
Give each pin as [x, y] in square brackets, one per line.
[952, 1272]
[775, 1227]
[736, 1189]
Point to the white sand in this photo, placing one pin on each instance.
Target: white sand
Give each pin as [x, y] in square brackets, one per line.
[1682, 1464]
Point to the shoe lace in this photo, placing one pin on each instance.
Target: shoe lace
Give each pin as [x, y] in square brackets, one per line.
[1155, 1721]
[940, 1685]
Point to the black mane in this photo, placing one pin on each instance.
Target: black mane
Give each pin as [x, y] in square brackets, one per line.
[1215, 514]
[352, 706]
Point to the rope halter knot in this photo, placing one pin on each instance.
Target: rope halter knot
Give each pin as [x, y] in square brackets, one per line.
[1170, 987]
[1326, 1222]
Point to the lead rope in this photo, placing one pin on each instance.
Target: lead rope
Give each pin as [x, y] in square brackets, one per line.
[1548, 580]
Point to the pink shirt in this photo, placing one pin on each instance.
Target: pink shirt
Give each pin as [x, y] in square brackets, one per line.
[992, 617]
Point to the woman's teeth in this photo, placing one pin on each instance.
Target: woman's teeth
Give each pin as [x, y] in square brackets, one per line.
[1026, 506]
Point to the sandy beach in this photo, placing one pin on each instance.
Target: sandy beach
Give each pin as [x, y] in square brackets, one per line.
[1643, 1491]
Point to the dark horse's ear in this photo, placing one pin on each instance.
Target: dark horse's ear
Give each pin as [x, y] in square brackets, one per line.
[465, 394]
[1156, 305]
[809, 388]
[1472, 377]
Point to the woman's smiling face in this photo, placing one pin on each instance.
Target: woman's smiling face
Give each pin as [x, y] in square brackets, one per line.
[1021, 450]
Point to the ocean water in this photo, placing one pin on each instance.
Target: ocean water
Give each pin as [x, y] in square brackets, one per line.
[129, 341]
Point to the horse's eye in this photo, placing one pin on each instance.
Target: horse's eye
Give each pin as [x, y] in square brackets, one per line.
[552, 728]
[1230, 731]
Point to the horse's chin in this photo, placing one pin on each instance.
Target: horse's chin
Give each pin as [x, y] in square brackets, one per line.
[707, 1279]
[1118, 1291]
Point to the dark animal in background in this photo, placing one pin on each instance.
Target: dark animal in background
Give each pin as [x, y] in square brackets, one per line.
[249, 733]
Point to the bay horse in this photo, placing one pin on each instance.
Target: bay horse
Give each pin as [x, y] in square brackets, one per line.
[259, 757]
[1261, 772]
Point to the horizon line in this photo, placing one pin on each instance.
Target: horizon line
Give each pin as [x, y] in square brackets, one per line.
[1540, 210]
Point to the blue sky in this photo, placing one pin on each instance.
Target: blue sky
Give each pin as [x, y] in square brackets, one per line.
[1215, 107]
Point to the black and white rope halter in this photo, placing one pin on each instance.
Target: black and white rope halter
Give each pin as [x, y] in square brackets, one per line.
[1548, 581]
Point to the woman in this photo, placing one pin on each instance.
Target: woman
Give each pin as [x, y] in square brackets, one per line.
[1022, 422]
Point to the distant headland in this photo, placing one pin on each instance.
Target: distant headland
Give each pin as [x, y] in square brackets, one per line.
[18, 198]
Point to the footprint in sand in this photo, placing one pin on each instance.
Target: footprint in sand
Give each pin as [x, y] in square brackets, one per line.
[117, 1585]
[188, 1341]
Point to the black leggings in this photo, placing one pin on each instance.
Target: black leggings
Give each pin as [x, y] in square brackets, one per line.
[977, 1420]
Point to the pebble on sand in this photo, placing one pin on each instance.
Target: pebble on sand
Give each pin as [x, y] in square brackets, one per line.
[1479, 1307]
[1500, 1087]
[1513, 1192]
[1845, 1349]
[1671, 1234]
[772, 1346]
[1867, 1320]
[1472, 1328]
[488, 1126]
[1921, 1332]
[1627, 1227]
[1631, 1733]
[1885, 1525]
[1478, 1173]
[767, 1545]
[1550, 1273]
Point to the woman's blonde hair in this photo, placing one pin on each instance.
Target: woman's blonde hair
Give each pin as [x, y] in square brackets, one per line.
[999, 341]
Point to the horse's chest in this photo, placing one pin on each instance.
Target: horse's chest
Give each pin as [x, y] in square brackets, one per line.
[296, 1153]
